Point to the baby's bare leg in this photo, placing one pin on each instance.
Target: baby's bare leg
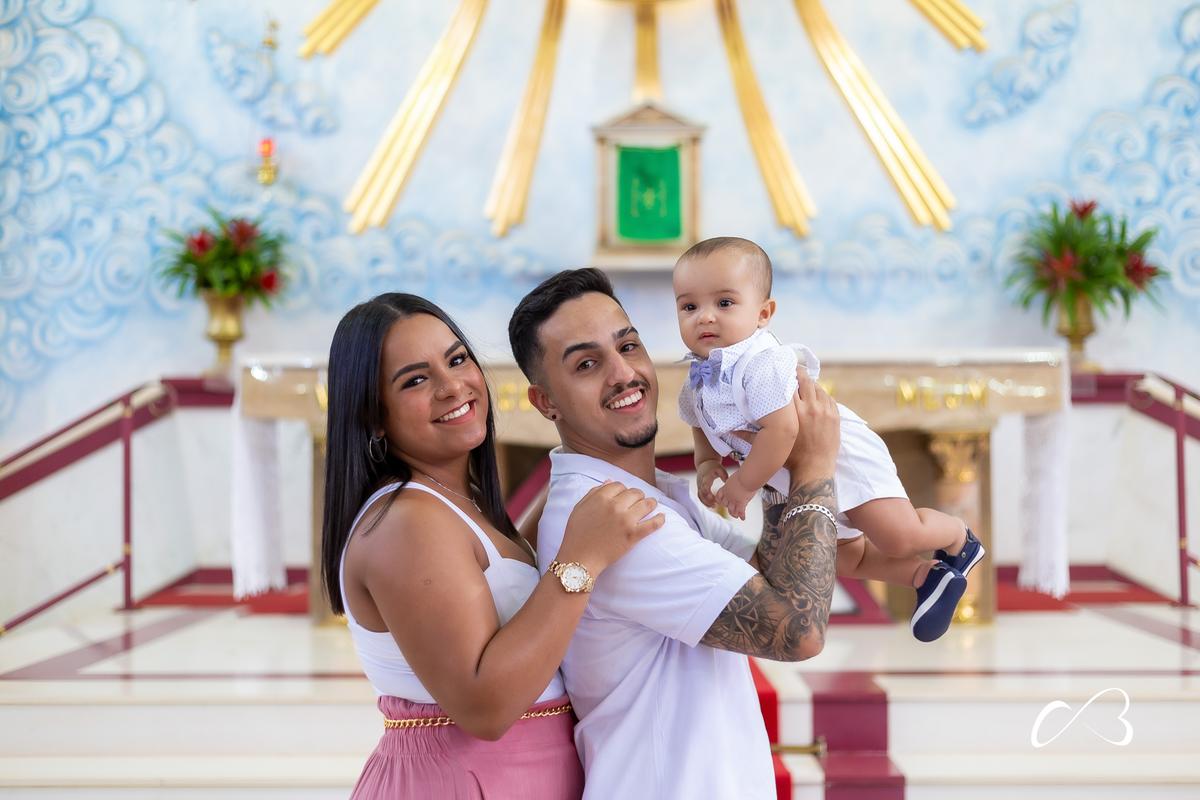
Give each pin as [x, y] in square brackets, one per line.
[859, 558]
[898, 529]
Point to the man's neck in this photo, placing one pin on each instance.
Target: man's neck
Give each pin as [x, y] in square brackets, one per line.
[637, 461]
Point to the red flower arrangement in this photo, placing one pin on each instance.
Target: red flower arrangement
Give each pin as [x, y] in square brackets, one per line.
[1083, 254]
[233, 257]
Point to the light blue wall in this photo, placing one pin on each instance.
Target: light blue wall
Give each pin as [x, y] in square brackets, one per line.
[119, 119]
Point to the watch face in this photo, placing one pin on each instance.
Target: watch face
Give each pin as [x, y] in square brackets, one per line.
[574, 577]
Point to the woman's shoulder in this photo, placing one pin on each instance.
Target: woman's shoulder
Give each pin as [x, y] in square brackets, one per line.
[411, 518]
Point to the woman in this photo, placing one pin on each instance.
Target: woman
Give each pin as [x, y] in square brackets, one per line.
[455, 629]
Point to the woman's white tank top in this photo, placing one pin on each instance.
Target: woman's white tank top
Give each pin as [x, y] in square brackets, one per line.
[511, 582]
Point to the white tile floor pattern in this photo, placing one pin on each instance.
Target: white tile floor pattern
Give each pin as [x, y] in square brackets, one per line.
[202, 703]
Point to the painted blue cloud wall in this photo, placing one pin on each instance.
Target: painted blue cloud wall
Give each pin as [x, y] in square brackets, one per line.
[119, 120]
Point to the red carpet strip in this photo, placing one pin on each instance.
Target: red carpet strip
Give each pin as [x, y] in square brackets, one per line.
[850, 712]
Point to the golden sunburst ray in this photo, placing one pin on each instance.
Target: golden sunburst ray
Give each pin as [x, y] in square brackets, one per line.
[924, 192]
[956, 22]
[510, 188]
[647, 85]
[378, 187]
[789, 197]
[332, 25]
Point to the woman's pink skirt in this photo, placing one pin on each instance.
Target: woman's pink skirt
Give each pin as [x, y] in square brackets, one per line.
[534, 760]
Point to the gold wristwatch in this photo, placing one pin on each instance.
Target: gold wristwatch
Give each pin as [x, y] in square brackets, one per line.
[573, 576]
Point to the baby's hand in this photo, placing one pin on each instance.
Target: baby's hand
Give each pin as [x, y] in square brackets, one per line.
[734, 497]
[707, 472]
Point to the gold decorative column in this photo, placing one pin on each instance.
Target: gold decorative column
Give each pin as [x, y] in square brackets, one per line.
[318, 601]
[960, 490]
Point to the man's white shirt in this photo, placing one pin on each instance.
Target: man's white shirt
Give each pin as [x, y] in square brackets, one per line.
[660, 715]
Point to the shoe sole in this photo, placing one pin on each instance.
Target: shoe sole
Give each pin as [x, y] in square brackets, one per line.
[931, 601]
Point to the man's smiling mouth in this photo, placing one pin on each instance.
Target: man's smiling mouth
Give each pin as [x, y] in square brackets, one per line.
[627, 400]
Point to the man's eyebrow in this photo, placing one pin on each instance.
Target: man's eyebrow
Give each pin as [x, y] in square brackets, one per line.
[575, 348]
[580, 346]
[409, 368]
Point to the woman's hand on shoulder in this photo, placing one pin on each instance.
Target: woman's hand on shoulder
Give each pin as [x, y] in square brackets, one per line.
[606, 524]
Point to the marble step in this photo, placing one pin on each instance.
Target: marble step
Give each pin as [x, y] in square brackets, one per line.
[1032, 776]
[1116, 775]
[932, 714]
[196, 718]
[998, 714]
[304, 777]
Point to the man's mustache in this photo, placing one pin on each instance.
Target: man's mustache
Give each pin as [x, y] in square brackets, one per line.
[643, 385]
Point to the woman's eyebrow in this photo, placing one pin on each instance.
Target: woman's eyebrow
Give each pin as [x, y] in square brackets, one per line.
[409, 368]
[425, 364]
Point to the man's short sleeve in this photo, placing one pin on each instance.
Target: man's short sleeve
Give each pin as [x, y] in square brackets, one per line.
[687, 406]
[674, 582]
[732, 536]
[770, 381]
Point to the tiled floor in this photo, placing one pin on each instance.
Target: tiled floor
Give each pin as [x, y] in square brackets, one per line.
[247, 678]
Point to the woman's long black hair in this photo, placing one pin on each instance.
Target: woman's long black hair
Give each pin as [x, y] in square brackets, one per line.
[356, 411]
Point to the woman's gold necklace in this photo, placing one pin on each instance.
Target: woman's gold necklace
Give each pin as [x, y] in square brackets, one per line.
[451, 491]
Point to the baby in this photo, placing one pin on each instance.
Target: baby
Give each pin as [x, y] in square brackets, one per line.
[739, 392]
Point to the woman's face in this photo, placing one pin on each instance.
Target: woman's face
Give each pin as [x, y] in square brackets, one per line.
[434, 395]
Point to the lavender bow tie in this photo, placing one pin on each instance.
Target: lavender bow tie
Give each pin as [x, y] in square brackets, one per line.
[699, 373]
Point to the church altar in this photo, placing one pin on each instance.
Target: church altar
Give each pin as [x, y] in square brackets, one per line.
[935, 410]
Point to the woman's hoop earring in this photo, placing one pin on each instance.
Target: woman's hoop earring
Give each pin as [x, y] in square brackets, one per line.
[377, 449]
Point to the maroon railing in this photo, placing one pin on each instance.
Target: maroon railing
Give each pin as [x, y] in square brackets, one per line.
[1139, 392]
[112, 422]
[1186, 559]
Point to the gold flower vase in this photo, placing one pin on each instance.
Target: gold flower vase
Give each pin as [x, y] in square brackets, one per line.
[1077, 331]
[224, 327]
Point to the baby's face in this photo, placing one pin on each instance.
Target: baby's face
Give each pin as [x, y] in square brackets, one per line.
[719, 301]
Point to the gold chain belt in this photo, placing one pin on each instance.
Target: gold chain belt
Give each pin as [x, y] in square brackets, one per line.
[441, 722]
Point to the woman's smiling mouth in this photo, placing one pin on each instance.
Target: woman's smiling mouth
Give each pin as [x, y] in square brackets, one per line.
[459, 414]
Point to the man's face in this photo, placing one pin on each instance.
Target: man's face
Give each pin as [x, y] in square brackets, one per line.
[597, 377]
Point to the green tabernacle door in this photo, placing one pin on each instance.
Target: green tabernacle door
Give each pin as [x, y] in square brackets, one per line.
[648, 194]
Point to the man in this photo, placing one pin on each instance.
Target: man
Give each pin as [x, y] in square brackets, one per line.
[657, 670]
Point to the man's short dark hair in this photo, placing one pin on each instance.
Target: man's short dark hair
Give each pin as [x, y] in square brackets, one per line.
[540, 304]
[755, 255]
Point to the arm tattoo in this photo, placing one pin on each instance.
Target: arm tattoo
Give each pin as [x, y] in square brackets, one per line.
[774, 615]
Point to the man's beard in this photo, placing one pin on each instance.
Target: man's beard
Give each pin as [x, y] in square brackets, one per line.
[639, 439]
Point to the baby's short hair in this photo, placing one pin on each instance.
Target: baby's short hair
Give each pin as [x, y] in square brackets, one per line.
[755, 255]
